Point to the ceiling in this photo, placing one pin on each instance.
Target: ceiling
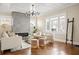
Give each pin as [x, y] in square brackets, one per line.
[43, 8]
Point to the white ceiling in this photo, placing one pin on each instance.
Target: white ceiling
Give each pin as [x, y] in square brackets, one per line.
[41, 7]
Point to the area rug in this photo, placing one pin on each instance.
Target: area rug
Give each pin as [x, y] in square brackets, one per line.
[24, 46]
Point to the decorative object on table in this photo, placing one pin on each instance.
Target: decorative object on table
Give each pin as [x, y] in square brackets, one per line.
[35, 30]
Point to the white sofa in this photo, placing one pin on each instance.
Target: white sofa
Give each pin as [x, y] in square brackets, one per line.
[10, 42]
[8, 39]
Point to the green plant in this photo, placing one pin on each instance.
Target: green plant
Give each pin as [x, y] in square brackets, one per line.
[35, 30]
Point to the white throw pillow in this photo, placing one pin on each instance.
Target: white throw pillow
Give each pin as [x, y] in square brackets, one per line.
[11, 34]
[4, 34]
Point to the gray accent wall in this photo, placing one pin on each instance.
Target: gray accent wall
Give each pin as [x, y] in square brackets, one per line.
[21, 22]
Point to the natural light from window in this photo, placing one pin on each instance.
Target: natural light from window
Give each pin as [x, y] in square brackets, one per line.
[56, 24]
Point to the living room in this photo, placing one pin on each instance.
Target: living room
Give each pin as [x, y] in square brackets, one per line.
[39, 28]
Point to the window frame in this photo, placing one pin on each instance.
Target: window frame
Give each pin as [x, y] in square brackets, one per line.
[59, 19]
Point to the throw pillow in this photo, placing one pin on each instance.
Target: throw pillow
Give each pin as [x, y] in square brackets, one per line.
[11, 34]
[4, 34]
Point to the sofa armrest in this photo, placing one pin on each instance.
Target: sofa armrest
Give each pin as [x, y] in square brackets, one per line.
[11, 42]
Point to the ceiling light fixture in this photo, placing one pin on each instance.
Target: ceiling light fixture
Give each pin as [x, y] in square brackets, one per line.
[33, 11]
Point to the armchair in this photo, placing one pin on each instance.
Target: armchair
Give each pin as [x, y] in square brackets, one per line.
[10, 42]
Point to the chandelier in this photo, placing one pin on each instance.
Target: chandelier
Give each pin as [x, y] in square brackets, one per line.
[33, 11]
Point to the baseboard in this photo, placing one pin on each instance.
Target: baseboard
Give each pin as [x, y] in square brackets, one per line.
[60, 40]
[76, 42]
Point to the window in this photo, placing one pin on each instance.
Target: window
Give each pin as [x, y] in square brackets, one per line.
[5, 20]
[56, 24]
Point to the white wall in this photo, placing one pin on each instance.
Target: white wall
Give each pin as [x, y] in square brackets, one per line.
[6, 19]
[74, 12]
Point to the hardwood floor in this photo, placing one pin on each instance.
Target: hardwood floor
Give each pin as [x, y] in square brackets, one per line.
[19, 52]
[57, 48]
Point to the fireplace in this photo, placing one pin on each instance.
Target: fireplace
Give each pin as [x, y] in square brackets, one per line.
[22, 34]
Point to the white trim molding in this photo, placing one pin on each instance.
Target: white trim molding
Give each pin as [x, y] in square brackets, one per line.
[76, 42]
[60, 40]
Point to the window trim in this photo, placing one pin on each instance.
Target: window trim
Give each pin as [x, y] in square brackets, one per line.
[49, 19]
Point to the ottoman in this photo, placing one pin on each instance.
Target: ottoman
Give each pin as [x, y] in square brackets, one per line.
[42, 42]
[34, 43]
